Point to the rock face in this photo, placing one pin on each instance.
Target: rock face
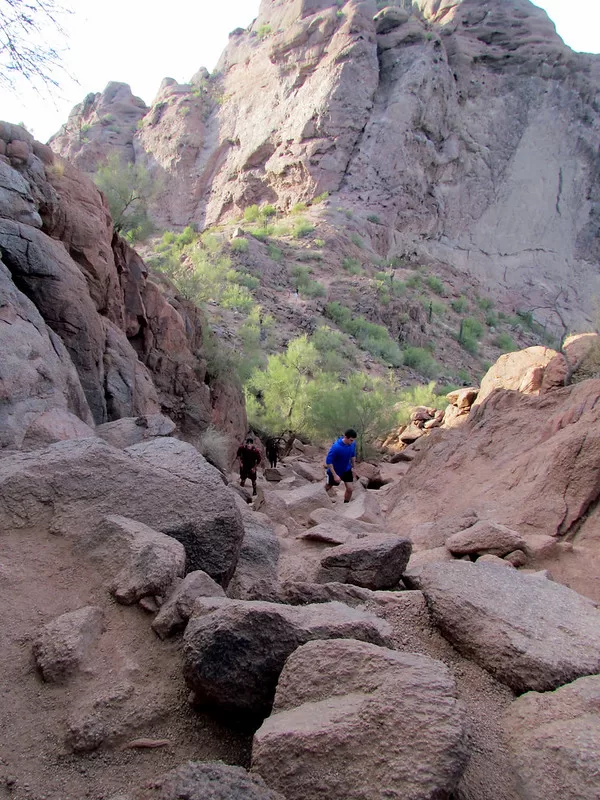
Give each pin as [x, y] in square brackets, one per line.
[72, 486]
[466, 128]
[555, 740]
[234, 651]
[530, 634]
[347, 724]
[112, 343]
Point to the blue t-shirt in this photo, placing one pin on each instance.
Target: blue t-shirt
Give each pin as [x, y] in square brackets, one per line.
[340, 456]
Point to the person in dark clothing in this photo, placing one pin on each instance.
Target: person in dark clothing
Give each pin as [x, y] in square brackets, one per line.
[249, 458]
[272, 451]
[340, 462]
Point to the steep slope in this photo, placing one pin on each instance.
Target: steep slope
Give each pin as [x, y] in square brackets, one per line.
[467, 129]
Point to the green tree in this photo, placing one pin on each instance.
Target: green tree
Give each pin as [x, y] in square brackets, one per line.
[128, 189]
[361, 402]
[277, 398]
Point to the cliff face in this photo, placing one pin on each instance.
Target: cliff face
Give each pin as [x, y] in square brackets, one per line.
[83, 330]
[467, 127]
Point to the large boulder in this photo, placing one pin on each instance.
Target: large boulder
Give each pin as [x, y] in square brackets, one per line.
[128, 431]
[141, 561]
[530, 634]
[352, 720]
[372, 562]
[256, 572]
[299, 503]
[177, 609]
[71, 486]
[554, 739]
[234, 651]
[485, 537]
[198, 780]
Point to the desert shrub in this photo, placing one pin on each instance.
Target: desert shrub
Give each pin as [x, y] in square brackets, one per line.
[351, 265]
[460, 305]
[313, 289]
[373, 218]
[357, 240]
[298, 208]
[504, 342]
[420, 395]
[436, 285]
[252, 213]
[371, 337]
[236, 297]
[302, 228]
[274, 252]
[268, 211]
[129, 189]
[414, 282]
[239, 245]
[263, 232]
[243, 279]
[485, 303]
[491, 320]
[264, 31]
[420, 360]
[472, 327]
[319, 198]
[319, 242]
[215, 447]
[335, 351]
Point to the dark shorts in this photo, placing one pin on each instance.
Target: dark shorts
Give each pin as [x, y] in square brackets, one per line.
[248, 472]
[347, 477]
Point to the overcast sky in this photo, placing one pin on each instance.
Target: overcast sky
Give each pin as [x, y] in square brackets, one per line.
[122, 40]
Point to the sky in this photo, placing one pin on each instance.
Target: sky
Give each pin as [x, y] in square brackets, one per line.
[121, 40]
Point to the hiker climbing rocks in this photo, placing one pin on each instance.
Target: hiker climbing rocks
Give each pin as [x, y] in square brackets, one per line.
[250, 458]
[272, 451]
[340, 463]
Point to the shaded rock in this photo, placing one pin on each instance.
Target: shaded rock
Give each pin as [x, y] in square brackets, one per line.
[554, 740]
[348, 724]
[234, 651]
[132, 430]
[372, 562]
[308, 471]
[402, 455]
[63, 646]
[488, 558]
[298, 593]
[177, 609]
[485, 537]
[530, 634]
[146, 562]
[272, 474]
[199, 780]
[255, 574]
[517, 558]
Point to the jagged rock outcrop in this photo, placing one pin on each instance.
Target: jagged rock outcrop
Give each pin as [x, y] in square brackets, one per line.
[135, 346]
[466, 129]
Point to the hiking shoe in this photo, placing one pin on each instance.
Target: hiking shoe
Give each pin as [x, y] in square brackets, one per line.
[254, 492]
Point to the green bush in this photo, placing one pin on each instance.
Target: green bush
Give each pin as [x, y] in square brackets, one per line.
[460, 305]
[252, 213]
[264, 31]
[373, 218]
[485, 303]
[504, 342]
[313, 289]
[351, 265]
[239, 245]
[268, 211]
[421, 360]
[243, 279]
[236, 297]
[436, 285]
[319, 198]
[371, 337]
[414, 282]
[302, 228]
[262, 233]
[472, 327]
[491, 320]
[274, 252]
[298, 208]
[356, 239]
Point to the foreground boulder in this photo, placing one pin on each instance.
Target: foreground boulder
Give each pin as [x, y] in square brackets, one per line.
[349, 723]
[554, 739]
[64, 644]
[530, 634]
[372, 562]
[143, 562]
[485, 537]
[234, 651]
[176, 611]
[165, 484]
[199, 780]
[256, 571]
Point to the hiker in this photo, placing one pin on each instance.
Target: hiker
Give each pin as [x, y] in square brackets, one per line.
[340, 463]
[272, 451]
[250, 458]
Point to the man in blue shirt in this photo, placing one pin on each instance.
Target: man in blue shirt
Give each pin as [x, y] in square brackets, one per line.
[340, 462]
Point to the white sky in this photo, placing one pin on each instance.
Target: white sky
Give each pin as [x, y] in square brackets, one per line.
[139, 42]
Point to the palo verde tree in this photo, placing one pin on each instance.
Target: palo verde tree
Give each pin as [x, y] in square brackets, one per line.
[277, 398]
[26, 28]
[128, 189]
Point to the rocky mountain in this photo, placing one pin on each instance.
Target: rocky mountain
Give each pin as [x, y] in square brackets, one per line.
[100, 339]
[464, 134]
